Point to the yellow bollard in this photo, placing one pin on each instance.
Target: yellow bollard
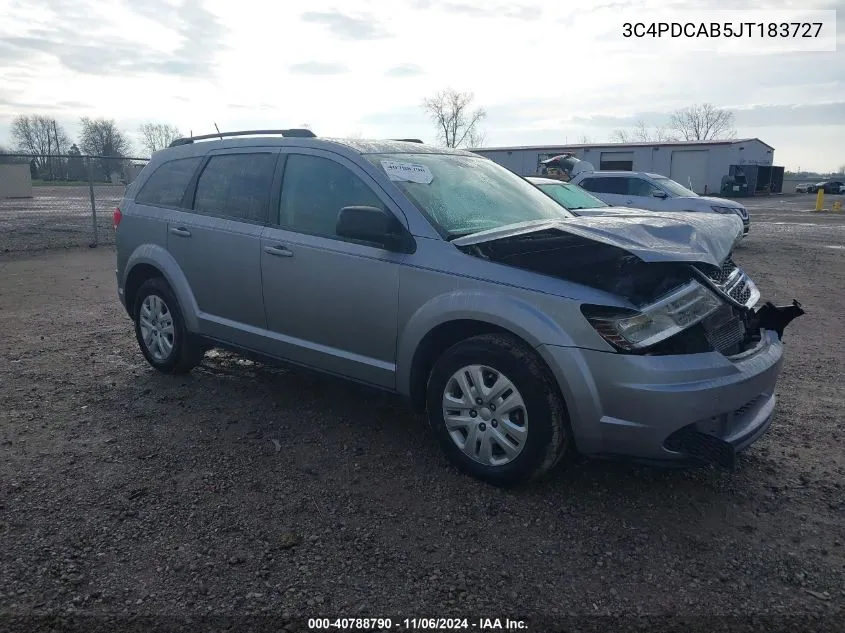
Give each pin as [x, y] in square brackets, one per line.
[820, 200]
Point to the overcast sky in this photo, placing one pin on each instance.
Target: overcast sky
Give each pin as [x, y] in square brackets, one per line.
[546, 72]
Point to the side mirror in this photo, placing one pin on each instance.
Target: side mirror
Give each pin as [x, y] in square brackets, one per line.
[371, 224]
[659, 193]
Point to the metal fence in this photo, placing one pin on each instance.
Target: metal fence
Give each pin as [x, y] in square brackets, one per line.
[72, 203]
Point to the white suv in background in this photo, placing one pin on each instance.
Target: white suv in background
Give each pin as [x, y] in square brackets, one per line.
[654, 192]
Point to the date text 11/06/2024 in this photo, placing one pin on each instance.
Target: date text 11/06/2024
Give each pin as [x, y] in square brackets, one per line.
[421, 624]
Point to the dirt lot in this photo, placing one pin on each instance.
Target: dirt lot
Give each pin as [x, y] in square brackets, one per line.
[244, 489]
[57, 217]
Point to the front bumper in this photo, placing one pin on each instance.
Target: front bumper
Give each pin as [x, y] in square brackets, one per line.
[627, 405]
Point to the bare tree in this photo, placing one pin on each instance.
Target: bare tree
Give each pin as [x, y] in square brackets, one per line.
[585, 140]
[703, 122]
[456, 123]
[42, 138]
[841, 170]
[476, 139]
[621, 136]
[157, 136]
[642, 133]
[101, 137]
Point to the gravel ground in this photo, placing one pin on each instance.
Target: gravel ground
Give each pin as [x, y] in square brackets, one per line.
[247, 490]
[57, 217]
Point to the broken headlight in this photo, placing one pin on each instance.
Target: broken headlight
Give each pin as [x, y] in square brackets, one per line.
[633, 330]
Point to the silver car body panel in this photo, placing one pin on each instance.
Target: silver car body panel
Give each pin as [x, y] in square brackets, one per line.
[653, 237]
[362, 312]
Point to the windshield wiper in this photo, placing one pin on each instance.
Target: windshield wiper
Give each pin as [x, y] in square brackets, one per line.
[456, 236]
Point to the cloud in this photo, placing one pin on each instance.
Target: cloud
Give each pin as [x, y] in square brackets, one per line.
[347, 26]
[404, 70]
[792, 115]
[53, 108]
[482, 10]
[77, 41]
[318, 68]
[400, 116]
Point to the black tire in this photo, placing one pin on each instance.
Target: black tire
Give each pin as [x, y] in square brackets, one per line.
[549, 434]
[186, 353]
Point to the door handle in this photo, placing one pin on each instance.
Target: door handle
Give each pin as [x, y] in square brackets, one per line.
[628, 201]
[181, 232]
[278, 251]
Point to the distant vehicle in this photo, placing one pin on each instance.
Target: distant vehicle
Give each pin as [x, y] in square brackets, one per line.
[830, 186]
[803, 188]
[566, 165]
[654, 192]
[571, 197]
[842, 189]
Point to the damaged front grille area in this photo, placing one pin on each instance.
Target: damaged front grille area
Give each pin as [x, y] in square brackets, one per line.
[732, 282]
[724, 331]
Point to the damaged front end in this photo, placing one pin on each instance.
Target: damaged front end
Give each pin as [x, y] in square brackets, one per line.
[685, 295]
[683, 302]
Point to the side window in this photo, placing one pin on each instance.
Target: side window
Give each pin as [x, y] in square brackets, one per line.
[639, 187]
[167, 184]
[589, 184]
[236, 186]
[611, 184]
[315, 189]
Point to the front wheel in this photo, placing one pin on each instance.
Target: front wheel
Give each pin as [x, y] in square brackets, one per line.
[495, 410]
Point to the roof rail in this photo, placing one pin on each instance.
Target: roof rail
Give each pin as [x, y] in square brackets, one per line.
[291, 133]
[407, 140]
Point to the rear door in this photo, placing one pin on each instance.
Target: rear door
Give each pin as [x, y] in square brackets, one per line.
[217, 243]
[611, 189]
[331, 303]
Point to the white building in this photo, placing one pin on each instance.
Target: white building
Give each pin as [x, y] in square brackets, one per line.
[698, 165]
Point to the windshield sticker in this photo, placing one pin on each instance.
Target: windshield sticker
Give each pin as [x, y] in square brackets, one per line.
[407, 172]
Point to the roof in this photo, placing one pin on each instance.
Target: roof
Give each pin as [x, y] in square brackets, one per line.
[361, 146]
[393, 147]
[564, 148]
[604, 173]
[539, 180]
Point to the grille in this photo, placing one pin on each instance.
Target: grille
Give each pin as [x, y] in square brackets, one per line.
[733, 282]
[721, 276]
[746, 407]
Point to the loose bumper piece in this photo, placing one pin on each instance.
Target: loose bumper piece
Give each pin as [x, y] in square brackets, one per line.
[771, 317]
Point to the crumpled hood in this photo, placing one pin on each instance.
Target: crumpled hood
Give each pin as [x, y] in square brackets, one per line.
[651, 236]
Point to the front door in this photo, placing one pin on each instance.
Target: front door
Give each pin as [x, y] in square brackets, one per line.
[641, 195]
[330, 303]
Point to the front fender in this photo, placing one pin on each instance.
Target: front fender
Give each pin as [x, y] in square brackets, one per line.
[522, 318]
[159, 258]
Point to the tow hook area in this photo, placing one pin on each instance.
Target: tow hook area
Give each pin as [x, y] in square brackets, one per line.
[702, 448]
[772, 317]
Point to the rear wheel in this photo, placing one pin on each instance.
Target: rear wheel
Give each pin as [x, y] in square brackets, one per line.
[495, 410]
[160, 329]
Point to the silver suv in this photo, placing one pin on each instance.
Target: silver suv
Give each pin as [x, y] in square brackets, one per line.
[521, 330]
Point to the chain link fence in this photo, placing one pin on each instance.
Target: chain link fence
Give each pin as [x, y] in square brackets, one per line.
[70, 202]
